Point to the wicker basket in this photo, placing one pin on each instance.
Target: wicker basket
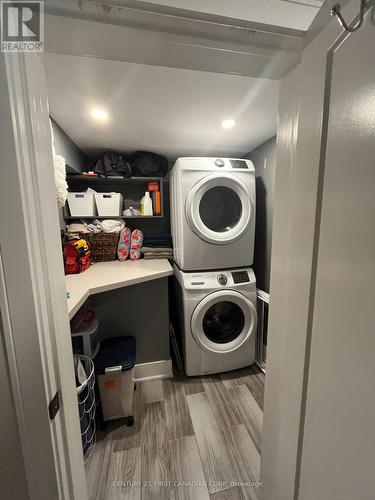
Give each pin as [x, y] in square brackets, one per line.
[103, 245]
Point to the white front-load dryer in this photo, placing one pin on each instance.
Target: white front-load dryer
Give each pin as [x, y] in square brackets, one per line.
[217, 319]
[213, 213]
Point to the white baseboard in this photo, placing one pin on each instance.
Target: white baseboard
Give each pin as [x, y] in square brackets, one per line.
[155, 370]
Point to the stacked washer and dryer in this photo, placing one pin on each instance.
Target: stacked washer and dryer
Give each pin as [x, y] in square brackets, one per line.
[213, 228]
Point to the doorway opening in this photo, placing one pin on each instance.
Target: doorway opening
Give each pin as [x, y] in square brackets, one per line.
[202, 431]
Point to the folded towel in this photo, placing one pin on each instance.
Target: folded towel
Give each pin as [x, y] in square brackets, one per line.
[94, 227]
[153, 257]
[165, 236]
[155, 238]
[77, 228]
[112, 225]
[158, 244]
[165, 255]
[156, 249]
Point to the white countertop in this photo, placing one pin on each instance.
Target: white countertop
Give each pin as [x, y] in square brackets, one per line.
[104, 276]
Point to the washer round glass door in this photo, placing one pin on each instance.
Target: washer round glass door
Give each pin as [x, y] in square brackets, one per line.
[219, 208]
[223, 320]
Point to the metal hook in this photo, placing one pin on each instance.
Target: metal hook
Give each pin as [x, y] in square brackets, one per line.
[336, 11]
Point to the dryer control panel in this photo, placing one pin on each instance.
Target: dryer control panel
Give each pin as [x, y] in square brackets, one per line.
[240, 277]
[212, 164]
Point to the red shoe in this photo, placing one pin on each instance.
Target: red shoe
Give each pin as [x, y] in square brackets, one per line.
[124, 244]
[136, 244]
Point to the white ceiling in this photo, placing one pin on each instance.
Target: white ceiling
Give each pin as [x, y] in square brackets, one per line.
[170, 111]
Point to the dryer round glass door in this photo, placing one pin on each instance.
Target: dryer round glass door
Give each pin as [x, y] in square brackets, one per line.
[223, 321]
[219, 208]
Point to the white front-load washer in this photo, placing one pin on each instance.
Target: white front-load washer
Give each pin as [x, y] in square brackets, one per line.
[217, 319]
[213, 213]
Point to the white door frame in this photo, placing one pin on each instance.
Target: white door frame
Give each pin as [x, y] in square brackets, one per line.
[295, 235]
[32, 287]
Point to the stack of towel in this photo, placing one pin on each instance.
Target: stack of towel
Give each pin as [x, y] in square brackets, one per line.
[157, 246]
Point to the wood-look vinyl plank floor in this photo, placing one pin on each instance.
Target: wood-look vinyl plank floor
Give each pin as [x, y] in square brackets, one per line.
[156, 460]
[127, 438]
[152, 391]
[97, 467]
[216, 460]
[124, 475]
[192, 385]
[178, 419]
[232, 379]
[225, 411]
[187, 470]
[253, 377]
[233, 493]
[202, 430]
[250, 411]
[246, 460]
[154, 431]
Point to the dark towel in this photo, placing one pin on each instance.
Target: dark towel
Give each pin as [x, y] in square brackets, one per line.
[158, 238]
[156, 244]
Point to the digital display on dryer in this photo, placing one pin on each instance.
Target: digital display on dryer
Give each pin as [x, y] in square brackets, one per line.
[238, 164]
[240, 277]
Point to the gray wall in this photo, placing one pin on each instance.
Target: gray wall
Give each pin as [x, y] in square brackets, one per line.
[139, 310]
[12, 472]
[264, 159]
[64, 146]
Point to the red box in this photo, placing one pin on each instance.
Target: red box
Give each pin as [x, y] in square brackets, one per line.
[153, 186]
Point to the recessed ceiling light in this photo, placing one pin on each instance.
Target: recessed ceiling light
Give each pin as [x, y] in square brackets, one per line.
[228, 123]
[99, 114]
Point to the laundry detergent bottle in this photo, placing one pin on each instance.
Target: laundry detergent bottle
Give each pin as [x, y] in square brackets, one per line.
[146, 204]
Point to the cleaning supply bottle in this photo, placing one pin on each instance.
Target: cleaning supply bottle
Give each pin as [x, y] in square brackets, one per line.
[146, 204]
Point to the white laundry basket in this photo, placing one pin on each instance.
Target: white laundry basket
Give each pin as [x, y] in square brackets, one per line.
[114, 367]
[87, 405]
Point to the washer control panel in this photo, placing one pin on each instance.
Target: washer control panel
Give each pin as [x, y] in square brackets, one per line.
[222, 279]
[219, 162]
[214, 280]
[238, 164]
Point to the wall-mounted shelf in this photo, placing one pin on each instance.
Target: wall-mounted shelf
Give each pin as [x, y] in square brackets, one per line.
[83, 217]
[87, 179]
[132, 188]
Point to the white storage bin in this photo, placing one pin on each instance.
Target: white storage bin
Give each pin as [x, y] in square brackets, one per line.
[81, 204]
[114, 368]
[116, 389]
[108, 204]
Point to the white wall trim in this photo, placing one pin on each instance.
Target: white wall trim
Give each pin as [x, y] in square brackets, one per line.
[155, 370]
